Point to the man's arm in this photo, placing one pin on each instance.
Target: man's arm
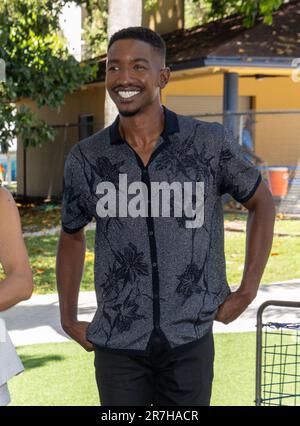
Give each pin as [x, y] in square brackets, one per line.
[18, 284]
[69, 270]
[260, 226]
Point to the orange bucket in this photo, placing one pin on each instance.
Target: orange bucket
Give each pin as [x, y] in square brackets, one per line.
[279, 181]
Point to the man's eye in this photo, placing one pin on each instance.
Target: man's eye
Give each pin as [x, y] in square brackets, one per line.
[139, 67]
[113, 69]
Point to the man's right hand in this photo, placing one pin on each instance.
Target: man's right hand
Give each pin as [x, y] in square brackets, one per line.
[77, 331]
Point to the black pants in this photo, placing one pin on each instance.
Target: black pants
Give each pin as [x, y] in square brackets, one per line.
[162, 378]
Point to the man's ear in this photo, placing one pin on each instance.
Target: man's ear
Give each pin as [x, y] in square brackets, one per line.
[164, 77]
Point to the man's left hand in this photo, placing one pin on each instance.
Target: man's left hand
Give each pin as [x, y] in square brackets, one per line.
[233, 306]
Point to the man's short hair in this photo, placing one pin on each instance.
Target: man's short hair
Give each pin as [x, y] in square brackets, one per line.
[143, 34]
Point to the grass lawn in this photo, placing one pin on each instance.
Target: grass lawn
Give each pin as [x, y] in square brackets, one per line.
[55, 374]
[39, 217]
[42, 253]
[281, 225]
[283, 263]
[63, 373]
[45, 216]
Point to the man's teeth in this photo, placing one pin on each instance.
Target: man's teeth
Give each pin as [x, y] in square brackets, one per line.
[127, 94]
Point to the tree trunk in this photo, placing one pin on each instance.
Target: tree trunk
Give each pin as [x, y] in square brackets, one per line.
[120, 15]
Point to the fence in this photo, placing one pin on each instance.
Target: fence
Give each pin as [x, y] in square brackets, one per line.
[269, 139]
[277, 355]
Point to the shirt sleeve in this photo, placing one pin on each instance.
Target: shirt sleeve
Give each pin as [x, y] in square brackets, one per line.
[76, 193]
[239, 177]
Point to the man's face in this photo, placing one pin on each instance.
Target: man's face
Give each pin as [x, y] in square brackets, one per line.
[135, 74]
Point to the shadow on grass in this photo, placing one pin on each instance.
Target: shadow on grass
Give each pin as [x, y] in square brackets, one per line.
[31, 362]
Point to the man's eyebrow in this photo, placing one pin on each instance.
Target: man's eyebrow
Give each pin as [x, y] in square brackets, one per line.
[117, 61]
[140, 60]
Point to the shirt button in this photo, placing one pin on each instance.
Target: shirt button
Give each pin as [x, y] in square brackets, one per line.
[155, 296]
[151, 233]
[154, 264]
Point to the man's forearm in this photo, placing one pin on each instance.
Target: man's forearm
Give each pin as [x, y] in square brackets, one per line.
[259, 238]
[260, 226]
[69, 269]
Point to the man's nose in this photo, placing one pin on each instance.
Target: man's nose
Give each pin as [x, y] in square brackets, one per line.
[124, 77]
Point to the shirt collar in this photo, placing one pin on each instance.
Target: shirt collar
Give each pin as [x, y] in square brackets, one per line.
[171, 126]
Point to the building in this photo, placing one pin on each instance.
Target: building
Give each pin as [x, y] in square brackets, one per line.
[215, 67]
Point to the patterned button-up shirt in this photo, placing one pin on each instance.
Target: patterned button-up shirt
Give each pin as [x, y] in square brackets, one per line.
[159, 241]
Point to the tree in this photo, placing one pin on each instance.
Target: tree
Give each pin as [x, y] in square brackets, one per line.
[94, 27]
[38, 67]
[197, 12]
[95, 24]
[120, 16]
[251, 10]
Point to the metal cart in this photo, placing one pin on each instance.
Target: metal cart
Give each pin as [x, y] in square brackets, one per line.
[277, 358]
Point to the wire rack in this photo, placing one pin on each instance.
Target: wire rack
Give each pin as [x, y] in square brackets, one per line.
[277, 359]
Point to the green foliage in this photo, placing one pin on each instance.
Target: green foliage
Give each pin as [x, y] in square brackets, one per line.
[95, 27]
[250, 9]
[195, 13]
[151, 5]
[38, 67]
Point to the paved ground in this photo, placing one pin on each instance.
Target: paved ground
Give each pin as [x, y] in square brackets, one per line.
[37, 320]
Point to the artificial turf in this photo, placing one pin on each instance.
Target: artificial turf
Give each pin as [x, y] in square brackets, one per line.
[63, 374]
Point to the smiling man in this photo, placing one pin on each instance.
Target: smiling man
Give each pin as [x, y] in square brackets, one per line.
[160, 274]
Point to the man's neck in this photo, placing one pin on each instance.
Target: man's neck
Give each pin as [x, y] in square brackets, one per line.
[143, 128]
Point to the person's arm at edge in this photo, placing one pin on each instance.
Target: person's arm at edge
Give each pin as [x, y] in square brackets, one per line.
[18, 283]
[260, 227]
[69, 270]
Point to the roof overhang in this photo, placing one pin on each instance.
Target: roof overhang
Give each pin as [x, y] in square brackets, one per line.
[247, 67]
[252, 62]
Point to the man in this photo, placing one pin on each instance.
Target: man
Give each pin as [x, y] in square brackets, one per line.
[153, 181]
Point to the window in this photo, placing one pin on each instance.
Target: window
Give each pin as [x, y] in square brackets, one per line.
[85, 126]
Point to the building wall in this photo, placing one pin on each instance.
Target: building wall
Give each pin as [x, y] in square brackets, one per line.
[276, 137]
[45, 164]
